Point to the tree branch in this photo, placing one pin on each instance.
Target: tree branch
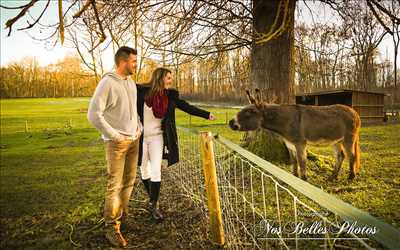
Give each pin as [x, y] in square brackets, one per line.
[11, 21]
[83, 9]
[103, 35]
[371, 7]
[14, 8]
[38, 19]
[238, 45]
[384, 10]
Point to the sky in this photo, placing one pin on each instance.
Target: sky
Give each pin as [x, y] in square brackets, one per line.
[20, 44]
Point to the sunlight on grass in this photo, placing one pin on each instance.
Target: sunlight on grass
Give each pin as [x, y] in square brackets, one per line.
[54, 173]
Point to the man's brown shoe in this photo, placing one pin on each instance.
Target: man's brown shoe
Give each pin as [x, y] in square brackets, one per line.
[114, 236]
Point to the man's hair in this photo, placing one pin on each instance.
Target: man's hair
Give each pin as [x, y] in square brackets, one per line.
[123, 54]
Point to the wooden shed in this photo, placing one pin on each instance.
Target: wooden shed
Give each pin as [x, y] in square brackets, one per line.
[369, 105]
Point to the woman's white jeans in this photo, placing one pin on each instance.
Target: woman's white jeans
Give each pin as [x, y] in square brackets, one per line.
[152, 157]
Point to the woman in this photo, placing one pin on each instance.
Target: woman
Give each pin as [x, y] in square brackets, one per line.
[156, 108]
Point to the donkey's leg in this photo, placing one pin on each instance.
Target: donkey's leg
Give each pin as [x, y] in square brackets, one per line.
[350, 153]
[293, 161]
[339, 160]
[293, 158]
[301, 159]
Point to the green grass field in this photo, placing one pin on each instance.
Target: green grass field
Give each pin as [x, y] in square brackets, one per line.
[52, 175]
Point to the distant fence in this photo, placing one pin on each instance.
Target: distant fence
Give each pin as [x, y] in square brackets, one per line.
[265, 207]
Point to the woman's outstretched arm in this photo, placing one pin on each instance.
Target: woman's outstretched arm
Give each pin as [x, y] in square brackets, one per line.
[190, 109]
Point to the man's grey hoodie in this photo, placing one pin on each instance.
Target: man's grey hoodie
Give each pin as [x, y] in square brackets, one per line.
[112, 109]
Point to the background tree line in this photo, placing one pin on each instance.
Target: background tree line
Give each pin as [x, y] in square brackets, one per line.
[26, 78]
[223, 77]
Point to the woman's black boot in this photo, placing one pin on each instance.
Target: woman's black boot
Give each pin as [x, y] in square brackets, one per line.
[154, 194]
[146, 183]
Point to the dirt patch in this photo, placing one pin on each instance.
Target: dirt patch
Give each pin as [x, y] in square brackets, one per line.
[184, 227]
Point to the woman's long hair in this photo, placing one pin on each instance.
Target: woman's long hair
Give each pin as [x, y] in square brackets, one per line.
[157, 81]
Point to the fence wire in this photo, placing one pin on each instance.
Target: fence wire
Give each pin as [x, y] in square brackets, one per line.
[258, 211]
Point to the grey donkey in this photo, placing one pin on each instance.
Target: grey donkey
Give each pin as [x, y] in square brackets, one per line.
[299, 125]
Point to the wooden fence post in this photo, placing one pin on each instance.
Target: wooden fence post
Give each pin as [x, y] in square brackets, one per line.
[210, 177]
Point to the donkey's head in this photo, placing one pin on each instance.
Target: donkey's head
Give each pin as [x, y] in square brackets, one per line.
[251, 116]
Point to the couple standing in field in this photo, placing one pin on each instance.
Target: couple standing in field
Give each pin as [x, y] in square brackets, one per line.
[137, 123]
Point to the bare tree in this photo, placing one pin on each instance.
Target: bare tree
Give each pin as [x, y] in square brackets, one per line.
[395, 9]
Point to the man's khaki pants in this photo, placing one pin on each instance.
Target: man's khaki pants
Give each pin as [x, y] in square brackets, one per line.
[122, 160]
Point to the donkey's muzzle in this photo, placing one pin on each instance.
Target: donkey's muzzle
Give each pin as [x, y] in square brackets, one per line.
[233, 125]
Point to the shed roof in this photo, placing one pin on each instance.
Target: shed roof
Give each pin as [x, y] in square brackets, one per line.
[337, 91]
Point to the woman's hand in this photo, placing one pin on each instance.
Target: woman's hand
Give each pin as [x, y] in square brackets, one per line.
[211, 117]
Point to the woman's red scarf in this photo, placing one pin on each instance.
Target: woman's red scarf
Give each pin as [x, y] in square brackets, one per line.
[159, 103]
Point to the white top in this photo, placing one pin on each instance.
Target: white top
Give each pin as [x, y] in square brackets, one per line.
[152, 124]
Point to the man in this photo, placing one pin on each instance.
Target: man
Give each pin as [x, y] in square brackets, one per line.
[113, 112]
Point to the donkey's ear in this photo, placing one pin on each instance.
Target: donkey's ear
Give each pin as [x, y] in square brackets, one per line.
[250, 98]
[258, 96]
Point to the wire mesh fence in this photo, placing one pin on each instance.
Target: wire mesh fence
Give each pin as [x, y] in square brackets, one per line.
[264, 213]
[260, 211]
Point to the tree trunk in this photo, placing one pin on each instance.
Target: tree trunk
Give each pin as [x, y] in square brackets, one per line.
[396, 48]
[272, 71]
[272, 63]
